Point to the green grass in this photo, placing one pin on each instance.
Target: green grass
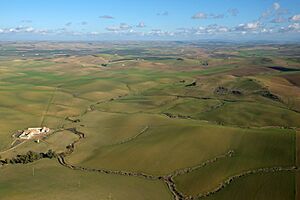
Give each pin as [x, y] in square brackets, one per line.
[56, 141]
[260, 187]
[252, 114]
[253, 149]
[52, 181]
[168, 144]
[125, 101]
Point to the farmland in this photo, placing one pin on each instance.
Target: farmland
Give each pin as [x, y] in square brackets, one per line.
[159, 120]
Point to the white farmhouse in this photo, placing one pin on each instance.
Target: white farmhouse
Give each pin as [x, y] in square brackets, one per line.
[32, 132]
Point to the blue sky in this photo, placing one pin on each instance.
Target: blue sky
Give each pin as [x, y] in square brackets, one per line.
[149, 19]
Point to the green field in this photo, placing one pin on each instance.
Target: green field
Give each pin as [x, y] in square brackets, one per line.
[149, 125]
[262, 186]
[48, 180]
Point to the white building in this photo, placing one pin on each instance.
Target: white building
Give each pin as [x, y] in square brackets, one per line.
[32, 132]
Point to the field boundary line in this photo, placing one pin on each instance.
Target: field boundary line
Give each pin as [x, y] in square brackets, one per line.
[48, 106]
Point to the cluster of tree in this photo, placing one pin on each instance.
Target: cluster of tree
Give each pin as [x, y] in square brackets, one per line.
[269, 95]
[204, 63]
[74, 130]
[177, 116]
[224, 91]
[194, 83]
[29, 157]
[266, 60]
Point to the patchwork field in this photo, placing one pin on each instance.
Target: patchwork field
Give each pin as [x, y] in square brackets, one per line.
[150, 121]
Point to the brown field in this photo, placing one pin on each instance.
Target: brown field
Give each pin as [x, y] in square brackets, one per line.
[293, 79]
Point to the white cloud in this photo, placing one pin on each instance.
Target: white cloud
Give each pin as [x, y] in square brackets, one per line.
[295, 18]
[278, 20]
[94, 33]
[223, 29]
[295, 26]
[200, 15]
[141, 25]
[43, 31]
[113, 28]
[276, 6]
[121, 27]
[106, 17]
[251, 26]
[124, 26]
[19, 29]
[159, 32]
[124, 29]
[29, 30]
[274, 11]
[212, 29]
[266, 30]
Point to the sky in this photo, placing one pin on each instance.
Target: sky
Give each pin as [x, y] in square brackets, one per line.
[150, 20]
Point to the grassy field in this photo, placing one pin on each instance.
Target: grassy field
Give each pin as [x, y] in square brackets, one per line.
[194, 117]
[263, 186]
[46, 179]
[181, 140]
[272, 148]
